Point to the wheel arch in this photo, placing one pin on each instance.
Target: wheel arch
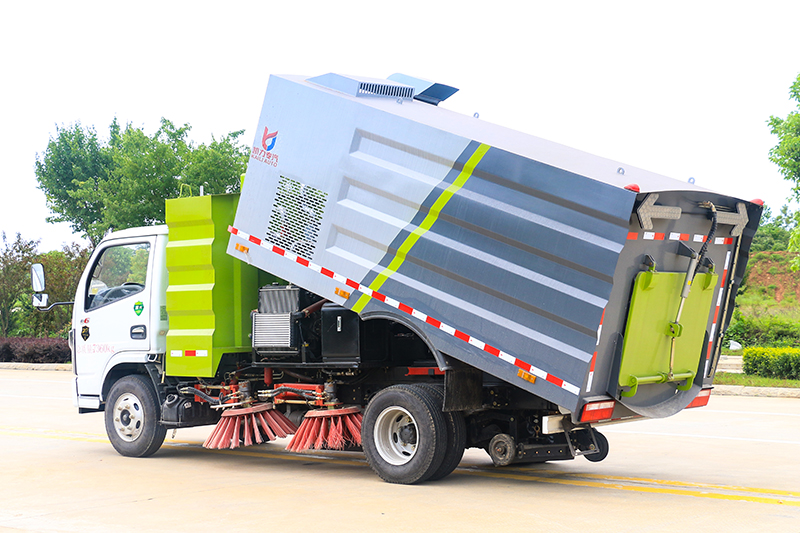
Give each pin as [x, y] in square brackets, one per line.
[415, 329]
[120, 370]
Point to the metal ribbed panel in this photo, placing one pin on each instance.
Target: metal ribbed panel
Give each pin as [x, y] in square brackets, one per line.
[210, 294]
[522, 256]
[272, 331]
[278, 300]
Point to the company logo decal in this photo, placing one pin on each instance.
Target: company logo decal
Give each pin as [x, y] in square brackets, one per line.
[269, 137]
[264, 152]
[138, 307]
[85, 333]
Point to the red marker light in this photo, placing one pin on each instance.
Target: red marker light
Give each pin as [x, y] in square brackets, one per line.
[632, 187]
[757, 201]
[595, 411]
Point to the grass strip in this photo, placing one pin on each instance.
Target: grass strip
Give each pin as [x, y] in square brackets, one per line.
[726, 378]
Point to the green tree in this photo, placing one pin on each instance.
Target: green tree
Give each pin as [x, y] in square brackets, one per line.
[127, 179]
[774, 232]
[63, 270]
[15, 263]
[70, 172]
[786, 154]
[139, 260]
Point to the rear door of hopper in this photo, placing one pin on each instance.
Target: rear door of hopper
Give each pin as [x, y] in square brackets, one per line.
[658, 343]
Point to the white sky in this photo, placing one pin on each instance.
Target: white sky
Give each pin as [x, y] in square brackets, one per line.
[679, 88]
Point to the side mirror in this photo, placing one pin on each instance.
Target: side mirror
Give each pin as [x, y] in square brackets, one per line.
[40, 300]
[37, 277]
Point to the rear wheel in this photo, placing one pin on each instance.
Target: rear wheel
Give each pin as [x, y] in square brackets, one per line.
[456, 436]
[131, 417]
[402, 434]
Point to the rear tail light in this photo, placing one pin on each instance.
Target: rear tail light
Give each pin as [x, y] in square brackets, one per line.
[701, 400]
[596, 411]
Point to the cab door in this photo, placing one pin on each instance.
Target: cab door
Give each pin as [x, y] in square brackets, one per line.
[112, 311]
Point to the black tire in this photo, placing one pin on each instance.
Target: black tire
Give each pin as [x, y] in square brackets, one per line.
[132, 414]
[456, 436]
[502, 449]
[602, 448]
[402, 434]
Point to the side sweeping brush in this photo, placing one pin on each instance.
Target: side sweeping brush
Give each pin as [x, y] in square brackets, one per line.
[252, 425]
[330, 429]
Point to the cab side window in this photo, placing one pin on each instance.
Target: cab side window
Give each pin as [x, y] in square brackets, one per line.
[119, 272]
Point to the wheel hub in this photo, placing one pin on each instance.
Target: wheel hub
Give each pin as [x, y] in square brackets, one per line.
[408, 434]
[128, 417]
[396, 435]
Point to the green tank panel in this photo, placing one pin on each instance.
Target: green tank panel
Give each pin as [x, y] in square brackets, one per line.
[210, 294]
[653, 339]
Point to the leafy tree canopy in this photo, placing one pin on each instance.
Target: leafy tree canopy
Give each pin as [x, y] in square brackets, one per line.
[70, 172]
[774, 232]
[98, 186]
[15, 262]
[786, 154]
[63, 269]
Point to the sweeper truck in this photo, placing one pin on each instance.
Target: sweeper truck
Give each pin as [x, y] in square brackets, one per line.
[402, 279]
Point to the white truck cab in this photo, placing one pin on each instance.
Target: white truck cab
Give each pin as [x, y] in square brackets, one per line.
[119, 315]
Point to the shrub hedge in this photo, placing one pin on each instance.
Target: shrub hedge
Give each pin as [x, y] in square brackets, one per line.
[765, 330]
[782, 363]
[34, 350]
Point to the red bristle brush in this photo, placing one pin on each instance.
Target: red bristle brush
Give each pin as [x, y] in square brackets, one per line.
[260, 423]
[330, 429]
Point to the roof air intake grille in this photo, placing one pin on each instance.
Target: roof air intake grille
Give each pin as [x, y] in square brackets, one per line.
[358, 86]
[389, 91]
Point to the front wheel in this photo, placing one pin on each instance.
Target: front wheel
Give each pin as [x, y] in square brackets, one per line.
[131, 417]
[402, 435]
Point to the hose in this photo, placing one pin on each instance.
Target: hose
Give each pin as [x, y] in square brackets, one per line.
[191, 391]
[305, 394]
[690, 275]
[711, 233]
[313, 308]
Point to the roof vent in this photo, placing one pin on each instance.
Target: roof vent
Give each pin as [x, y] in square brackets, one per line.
[426, 91]
[357, 86]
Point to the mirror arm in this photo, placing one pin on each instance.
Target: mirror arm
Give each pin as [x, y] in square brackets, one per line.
[45, 309]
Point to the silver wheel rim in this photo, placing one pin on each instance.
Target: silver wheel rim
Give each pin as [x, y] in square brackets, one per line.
[128, 417]
[396, 435]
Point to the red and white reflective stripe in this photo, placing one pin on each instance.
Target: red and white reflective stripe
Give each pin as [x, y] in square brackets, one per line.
[674, 236]
[594, 357]
[569, 387]
[716, 310]
[679, 236]
[188, 353]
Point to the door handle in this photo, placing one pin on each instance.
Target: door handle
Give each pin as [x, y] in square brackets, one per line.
[138, 332]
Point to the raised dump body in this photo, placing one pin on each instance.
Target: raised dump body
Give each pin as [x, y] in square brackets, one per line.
[562, 273]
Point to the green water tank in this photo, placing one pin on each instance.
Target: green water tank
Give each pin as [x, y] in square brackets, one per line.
[210, 294]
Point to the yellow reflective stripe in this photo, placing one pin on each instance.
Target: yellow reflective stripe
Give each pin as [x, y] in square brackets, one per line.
[427, 223]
